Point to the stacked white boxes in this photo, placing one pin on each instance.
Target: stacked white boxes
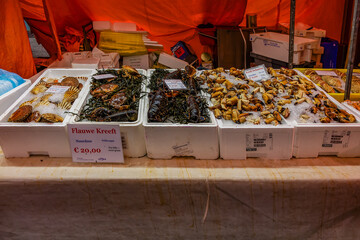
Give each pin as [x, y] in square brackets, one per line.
[276, 46]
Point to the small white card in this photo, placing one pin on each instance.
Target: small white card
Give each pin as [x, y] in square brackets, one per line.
[326, 73]
[104, 76]
[257, 73]
[175, 84]
[57, 89]
[95, 143]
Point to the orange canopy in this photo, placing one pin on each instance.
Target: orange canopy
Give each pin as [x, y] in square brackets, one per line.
[166, 21]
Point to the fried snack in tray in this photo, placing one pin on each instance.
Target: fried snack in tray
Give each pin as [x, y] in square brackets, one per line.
[355, 83]
[42, 106]
[319, 81]
[355, 104]
[284, 95]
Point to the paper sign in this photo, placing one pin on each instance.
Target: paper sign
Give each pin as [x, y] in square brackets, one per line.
[338, 139]
[356, 74]
[57, 89]
[103, 76]
[326, 73]
[259, 141]
[95, 143]
[175, 84]
[257, 73]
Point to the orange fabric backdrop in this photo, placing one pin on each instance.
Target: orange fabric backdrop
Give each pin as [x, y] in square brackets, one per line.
[15, 52]
[166, 21]
[323, 14]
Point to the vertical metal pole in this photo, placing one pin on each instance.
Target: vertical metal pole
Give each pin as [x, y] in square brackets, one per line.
[352, 49]
[291, 33]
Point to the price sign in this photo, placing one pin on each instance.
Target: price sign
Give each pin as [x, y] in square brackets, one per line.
[95, 143]
[326, 73]
[257, 73]
[175, 84]
[104, 76]
[57, 89]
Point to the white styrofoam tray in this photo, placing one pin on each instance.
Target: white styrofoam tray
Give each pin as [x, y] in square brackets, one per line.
[11, 96]
[276, 46]
[314, 139]
[167, 140]
[25, 139]
[132, 133]
[240, 141]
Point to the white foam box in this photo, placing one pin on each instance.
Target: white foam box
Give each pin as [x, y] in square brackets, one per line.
[8, 98]
[25, 139]
[109, 60]
[101, 25]
[171, 61]
[339, 139]
[239, 141]
[91, 63]
[132, 133]
[276, 46]
[123, 27]
[139, 61]
[167, 140]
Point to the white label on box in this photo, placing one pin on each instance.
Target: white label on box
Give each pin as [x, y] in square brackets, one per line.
[183, 149]
[175, 84]
[336, 139]
[326, 73]
[257, 73]
[103, 76]
[95, 143]
[57, 89]
[259, 141]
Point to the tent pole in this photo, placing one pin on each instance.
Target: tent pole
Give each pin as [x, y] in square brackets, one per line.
[352, 49]
[50, 20]
[291, 34]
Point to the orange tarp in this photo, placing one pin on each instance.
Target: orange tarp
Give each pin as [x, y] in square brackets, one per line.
[166, 21]
[15, 52]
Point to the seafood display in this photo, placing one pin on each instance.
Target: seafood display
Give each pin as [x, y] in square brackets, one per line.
[49, 100]
[354, 104]
[115, 98]
[333, 84]
[286, 95]
[178, 106]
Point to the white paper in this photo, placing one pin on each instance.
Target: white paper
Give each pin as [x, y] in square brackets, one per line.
[326, 73]
[57, 89]
[95, 143]
[259, 141]
[175, 84]
[257, 73]
[103, 76]
[339, 139]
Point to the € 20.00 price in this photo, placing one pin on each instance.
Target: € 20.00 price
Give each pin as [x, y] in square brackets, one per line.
[87, 150]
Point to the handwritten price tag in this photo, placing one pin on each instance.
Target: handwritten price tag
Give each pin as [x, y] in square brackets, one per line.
[257, 73]
[95, 143]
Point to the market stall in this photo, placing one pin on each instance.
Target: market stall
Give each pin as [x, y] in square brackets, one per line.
[96, 150]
